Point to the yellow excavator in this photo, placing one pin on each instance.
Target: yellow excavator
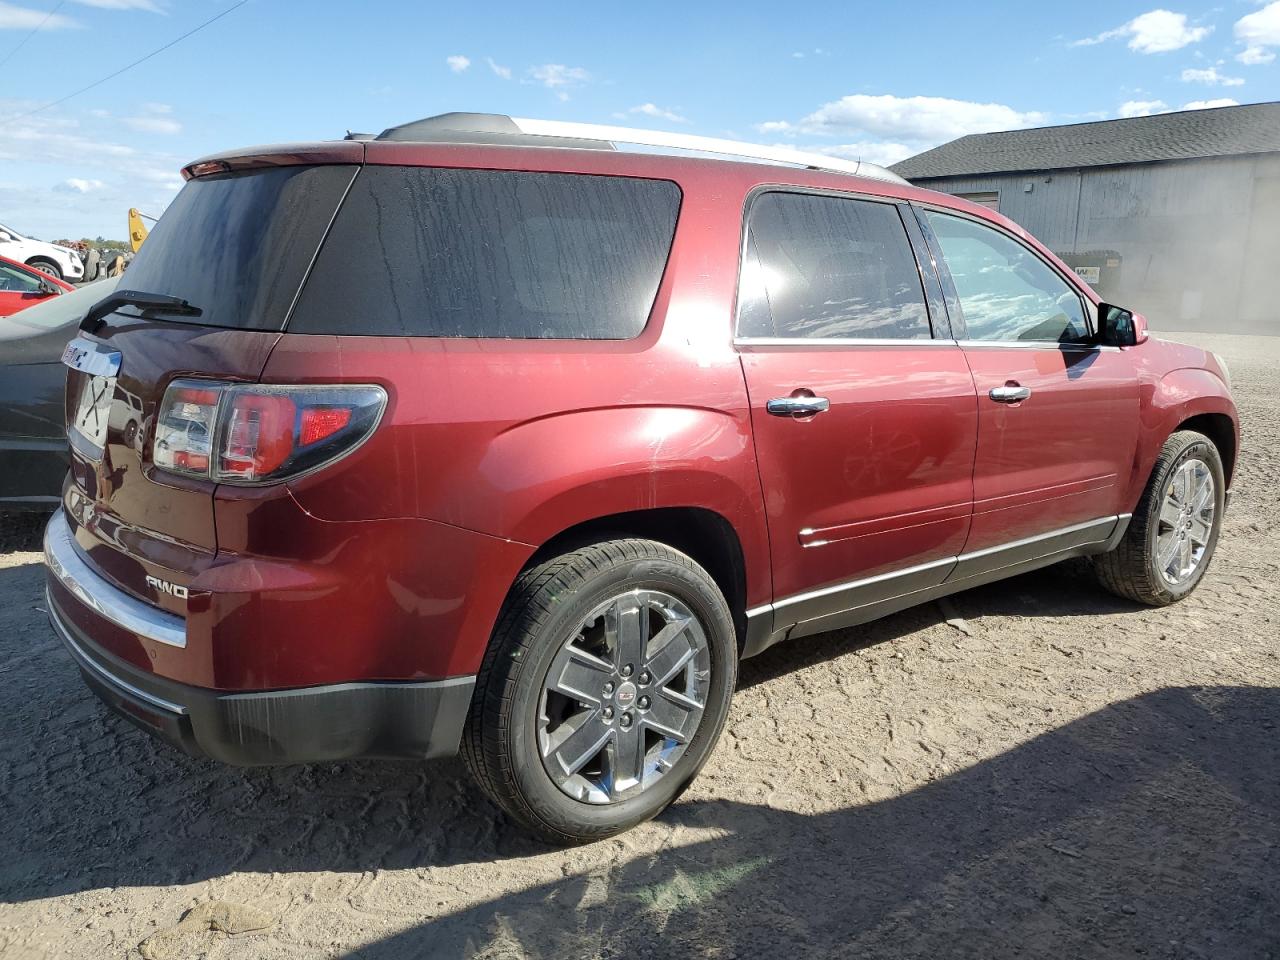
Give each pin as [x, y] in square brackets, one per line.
[137, 229]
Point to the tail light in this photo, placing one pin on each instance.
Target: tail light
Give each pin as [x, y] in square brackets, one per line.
[261, 433]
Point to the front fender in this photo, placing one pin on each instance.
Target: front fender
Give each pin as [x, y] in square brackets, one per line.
[1169, 401]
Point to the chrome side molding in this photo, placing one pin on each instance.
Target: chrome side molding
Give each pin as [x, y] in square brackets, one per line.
[858, 601]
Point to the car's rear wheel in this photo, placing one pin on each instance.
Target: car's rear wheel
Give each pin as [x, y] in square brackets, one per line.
[1174, 531]
[46, 266]
[606, 685]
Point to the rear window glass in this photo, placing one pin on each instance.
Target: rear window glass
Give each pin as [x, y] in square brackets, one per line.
[433, 252]
[237, 246]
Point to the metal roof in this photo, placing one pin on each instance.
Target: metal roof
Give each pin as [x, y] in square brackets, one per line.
[1185, 135]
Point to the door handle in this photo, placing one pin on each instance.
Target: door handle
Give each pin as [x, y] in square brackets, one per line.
[797, 406]
[1010, 393]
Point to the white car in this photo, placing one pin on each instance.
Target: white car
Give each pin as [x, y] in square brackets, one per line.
[61, 262]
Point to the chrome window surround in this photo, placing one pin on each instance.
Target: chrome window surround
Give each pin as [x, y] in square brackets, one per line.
[103, 597]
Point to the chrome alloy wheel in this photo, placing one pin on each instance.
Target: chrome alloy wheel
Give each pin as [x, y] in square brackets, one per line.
[1186, 521]
[624, 697]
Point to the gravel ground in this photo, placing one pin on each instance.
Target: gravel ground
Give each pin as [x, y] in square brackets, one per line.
[1033, 769]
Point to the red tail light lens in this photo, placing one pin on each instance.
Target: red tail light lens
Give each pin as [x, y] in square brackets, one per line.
[261, 433]
[321, 422]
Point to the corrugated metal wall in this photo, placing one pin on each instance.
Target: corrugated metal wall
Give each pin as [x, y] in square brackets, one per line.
[1198, 241]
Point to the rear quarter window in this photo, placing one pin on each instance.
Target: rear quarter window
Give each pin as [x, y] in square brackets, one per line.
[238, 245]
[435, 252]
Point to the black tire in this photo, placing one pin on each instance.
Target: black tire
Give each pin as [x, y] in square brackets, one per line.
[544, 608]
[1131, 569]
[46, 266]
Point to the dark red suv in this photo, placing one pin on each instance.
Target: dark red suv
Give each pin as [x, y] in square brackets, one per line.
[469, 437]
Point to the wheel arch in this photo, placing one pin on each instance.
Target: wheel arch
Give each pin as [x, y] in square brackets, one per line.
[704, 535]
[1220, 429]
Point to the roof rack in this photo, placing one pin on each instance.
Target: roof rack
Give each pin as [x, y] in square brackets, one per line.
[493, 128]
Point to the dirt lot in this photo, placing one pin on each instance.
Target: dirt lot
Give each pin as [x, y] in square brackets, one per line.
[1053, 773]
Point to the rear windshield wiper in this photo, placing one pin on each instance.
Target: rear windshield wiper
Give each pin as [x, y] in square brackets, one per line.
[136, 298]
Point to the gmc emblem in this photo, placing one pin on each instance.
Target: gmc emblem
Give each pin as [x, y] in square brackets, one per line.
[164, 586]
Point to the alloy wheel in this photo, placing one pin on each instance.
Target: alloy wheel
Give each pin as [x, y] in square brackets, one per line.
[624, 697]
[1186, 521]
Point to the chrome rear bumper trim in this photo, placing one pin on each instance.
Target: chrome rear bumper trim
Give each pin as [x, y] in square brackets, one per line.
[88, 664]
[103, 597]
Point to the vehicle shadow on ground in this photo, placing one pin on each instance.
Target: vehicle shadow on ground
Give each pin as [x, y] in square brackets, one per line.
[1148, 828]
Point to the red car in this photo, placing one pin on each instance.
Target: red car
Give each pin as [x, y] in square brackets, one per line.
[22, 286]
[482, 435]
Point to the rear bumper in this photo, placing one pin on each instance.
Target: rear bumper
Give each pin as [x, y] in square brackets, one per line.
[301, 725]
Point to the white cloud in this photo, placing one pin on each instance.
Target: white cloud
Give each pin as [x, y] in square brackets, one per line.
[499, 69]
[1210, 76]
[24, 18]
[72, 174]
[658, 113]
[457, 63]
[77, 185]
[884, 154]
[153, 118]
[556, 76]
[886, 129]
[147, 5]
[1258, 31]
[1147, 108]
[1156, 31]
[1210, 104]
[1142, 108]
[933, 119]
[1253, 56]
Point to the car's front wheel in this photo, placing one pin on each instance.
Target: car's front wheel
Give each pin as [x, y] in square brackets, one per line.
[605, 687]
[1174, 530]
[46, 266]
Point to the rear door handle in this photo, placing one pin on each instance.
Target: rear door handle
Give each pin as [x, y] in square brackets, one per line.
[797, 406]
[1009, 394]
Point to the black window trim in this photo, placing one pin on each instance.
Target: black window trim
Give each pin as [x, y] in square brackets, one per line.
[959, 326]
[759, 190]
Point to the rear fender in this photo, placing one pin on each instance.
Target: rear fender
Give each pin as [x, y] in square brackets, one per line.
[571, 468]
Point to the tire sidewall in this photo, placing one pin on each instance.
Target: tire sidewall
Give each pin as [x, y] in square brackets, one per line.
[1205, 451]
[545, 799]
[49, 267]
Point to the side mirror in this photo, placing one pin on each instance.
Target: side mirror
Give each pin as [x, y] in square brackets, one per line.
[48, 289]
[4, 237]
[1118, 327]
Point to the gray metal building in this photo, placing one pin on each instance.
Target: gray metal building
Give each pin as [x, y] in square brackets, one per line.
[1175, 215]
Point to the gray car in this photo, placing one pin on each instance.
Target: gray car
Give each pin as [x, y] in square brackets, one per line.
[33, 440]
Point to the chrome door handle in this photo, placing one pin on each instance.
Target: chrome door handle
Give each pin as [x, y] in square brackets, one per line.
[797, 406]
[1009, 394]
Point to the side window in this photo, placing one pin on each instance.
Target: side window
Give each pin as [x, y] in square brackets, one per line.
[829, 267]
[441, 252]
[17, 281]
[1006, 291]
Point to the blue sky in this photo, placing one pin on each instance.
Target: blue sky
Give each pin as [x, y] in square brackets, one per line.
[877, 81]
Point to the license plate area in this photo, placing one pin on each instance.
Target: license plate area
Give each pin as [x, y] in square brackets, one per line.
[87, 428]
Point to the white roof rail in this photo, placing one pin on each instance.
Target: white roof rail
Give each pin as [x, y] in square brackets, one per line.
[684, 141]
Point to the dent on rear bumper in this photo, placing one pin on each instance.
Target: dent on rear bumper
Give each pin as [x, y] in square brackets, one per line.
[330, 722]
